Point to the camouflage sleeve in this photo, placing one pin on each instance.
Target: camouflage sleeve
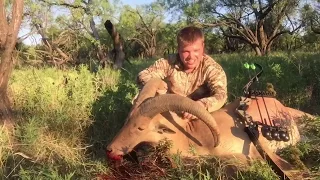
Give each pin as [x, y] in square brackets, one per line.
[159, 69]
[217, 82]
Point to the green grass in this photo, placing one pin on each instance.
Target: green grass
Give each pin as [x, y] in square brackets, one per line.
[295, 77]
[65, 118]
[5, 148]
[305, 155]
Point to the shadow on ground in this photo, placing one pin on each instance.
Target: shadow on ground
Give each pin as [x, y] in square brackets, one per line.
[109, 111]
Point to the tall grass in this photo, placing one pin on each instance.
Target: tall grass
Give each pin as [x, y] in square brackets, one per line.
[295, 77]
[54, 110]
[65, 118]
[5, 147]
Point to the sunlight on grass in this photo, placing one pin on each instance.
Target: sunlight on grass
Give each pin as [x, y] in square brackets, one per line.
[65, 118]
[5, 147]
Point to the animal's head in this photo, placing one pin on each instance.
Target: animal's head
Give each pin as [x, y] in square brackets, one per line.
[146, 123]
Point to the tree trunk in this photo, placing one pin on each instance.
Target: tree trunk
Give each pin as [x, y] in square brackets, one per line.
[268, 48]
[10, 31]
[5, 107]
[257, 50]
[154, 45]
[101, 54]
[117, 54]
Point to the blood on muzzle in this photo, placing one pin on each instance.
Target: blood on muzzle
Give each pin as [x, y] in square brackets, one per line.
[112, 156]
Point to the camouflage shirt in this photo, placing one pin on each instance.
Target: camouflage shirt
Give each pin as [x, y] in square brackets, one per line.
[209, 74]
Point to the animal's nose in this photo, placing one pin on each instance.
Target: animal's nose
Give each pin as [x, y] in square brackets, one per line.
[112, 155]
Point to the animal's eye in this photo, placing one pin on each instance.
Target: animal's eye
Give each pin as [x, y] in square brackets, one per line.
[165, 129]
[140, 128]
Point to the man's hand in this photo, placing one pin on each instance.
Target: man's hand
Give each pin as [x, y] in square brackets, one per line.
[190, 116]
[162, 89]
[161, 92]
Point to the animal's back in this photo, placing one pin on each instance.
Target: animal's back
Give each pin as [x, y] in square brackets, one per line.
[260, 110]
[272, 112]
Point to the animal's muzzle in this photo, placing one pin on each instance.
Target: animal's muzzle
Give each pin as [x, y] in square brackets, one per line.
[113, 156]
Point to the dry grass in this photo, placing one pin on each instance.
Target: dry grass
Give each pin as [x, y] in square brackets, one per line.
[65, 118]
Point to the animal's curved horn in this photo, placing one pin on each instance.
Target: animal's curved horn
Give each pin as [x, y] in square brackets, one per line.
[150, 89]
[177, 103]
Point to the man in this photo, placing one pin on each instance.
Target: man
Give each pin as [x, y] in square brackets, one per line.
[190, 70]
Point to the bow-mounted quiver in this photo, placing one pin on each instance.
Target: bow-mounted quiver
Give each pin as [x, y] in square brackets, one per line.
[268, 128]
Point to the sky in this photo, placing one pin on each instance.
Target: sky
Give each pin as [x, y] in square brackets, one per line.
[34, 39]
[136, 2]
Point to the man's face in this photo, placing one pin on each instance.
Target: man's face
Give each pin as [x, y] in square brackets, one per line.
[191, 54]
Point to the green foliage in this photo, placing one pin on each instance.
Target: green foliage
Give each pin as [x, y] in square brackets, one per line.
[140, 27]
[191, 11]
[110, 111]
[305, 155]
[56, 91]
[54, 109]
[168, 37]
[215, 168]
[311, 41]
[49, 173]
[72, 30]
[128, 24]
[232, 19]
[279, 69]
[80, 44]
[201, 168]
[310, 14]
[214, 43]
[258, 170]
[65, 118]
[5, 148]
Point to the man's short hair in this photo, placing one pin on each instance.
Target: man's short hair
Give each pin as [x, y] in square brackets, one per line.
[189, 35]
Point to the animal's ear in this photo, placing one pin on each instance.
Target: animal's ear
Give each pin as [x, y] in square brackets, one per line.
[164, 129]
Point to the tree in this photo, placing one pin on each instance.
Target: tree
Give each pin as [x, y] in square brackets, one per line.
[9, 28]
[85, 13]
[257, 23]
[290, 43]
[145, 27]
[214, 42]
[116, 53]
[38, 13]
[167, 40]
[311, 15]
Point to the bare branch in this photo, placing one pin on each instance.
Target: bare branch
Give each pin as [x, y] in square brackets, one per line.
[143, 22]
[94, 29]
[313, 29]
[244, 38]
[51, 46]
[268, 10]
[272, 38]
[255, 10]
[260, 4]
[138, 41]
[24, 37]
[278, 23]
[238, 37]
[213, 25]
[65, 4]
